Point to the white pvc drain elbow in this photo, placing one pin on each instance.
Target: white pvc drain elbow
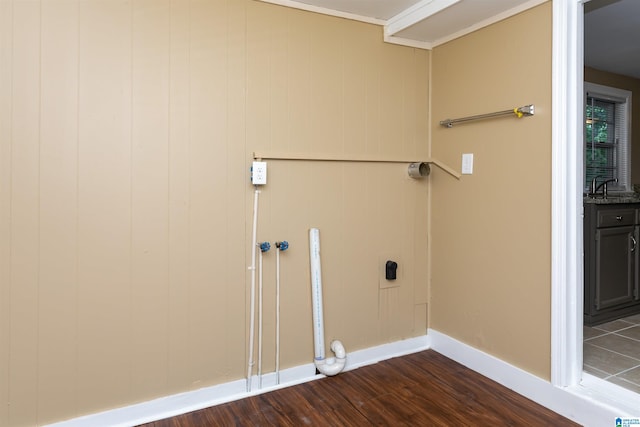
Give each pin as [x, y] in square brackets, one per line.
[318, 321]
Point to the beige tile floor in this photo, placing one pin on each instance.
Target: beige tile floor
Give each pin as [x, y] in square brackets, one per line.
[612, 352]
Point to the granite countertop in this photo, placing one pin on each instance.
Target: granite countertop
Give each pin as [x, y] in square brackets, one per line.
[613, 198]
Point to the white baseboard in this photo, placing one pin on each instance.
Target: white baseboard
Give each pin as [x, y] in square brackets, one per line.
[593, 403]
[182, 403]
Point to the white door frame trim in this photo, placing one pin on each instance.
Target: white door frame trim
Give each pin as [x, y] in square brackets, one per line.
[566, 210]
[567, 281]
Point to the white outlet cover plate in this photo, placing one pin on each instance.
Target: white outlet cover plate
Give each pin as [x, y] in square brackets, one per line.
[259, 173]
[467, 163]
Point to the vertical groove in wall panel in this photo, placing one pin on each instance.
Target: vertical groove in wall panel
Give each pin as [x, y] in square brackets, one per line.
[373, 98]
[277, 62]
[391, 109]
[150, 129]
[104, 269]
[420, 130]
[259, 42]
[410, 193]
[357, 54]
[237, 185]
[207, 188]
[300, 101]
[326, 84]
[407, 216]
[277, 105]
[179, 371]
[57, 356]
[6, 100]
[260, 38]
[420, 243]
[420, 319]
[410, 107]
[360, 269]
[23, 373]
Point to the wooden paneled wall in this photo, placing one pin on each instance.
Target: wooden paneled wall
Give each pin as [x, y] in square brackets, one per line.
[126, 135]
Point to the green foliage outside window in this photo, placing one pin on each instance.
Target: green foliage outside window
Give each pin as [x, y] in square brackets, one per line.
[600, 138]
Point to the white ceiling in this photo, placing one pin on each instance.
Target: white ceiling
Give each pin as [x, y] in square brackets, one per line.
[378, 9]
[612, 36]
[612, 27]
[420, 23]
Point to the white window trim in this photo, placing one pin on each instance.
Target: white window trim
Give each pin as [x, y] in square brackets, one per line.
[623, 97]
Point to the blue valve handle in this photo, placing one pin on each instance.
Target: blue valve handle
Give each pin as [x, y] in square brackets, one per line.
[265, 246]
[283, 246]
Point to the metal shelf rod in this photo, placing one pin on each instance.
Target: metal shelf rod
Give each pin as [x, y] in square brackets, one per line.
[353, 158]
[527, 110]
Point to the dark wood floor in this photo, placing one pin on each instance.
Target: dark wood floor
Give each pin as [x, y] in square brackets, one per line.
[421, 389]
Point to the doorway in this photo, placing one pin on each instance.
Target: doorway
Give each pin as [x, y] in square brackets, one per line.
[567, 210]
[611, 348]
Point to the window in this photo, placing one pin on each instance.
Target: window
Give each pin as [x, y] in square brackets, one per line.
[607, 137]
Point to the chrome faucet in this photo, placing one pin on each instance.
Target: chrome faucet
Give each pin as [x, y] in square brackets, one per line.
[603, 185]
[592, 192]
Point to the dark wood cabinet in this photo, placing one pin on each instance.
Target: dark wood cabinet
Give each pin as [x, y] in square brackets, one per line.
[611, 261]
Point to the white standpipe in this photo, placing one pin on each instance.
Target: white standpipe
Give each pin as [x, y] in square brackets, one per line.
[318, 321]
[278, 312]
[280, 246]
[264, 247]
[252, 309]
[260, 319]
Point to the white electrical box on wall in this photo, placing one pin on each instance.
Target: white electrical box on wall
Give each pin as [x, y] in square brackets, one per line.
[259, 173]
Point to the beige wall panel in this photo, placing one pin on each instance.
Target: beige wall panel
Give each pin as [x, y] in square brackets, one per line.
[628, 83]
[25, 126]
[237, 178]
[290, 207]
[416, 125]
[391, 313]
[491, 230]
[264, 50]
[6, 75]
[392, 106]
[358, 58]
[149, 196]
[300, 100]
[178, 372]
[261, 39]
[266, 130]
[420, 241]
[373, 102]
[267, 68]
[326, 85]
[326, 195]
[418, 111]
[360, 268]
[420, 316]
[135, 184]
[207, 151]
[57, 321]
[395, 208]
[104, 205]
[208, 194]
